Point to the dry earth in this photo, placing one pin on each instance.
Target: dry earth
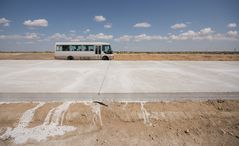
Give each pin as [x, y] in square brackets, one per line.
[131, 56]
[207, 123]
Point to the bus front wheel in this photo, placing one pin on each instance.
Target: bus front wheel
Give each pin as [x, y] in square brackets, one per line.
[105, 58]
[70, 58]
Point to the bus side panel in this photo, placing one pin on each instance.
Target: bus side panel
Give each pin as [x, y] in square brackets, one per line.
[76, 55]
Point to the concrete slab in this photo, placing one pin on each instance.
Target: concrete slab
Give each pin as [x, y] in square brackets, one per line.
[31, 80]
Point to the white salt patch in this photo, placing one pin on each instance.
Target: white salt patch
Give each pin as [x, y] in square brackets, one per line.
[27, 116]
[48, 117]
[6, 135]
[59, 112]
[125, 105]
[23, 123]
[62, 117]
[95, 108]
[87, 103]
[145, 115]
[49, 128]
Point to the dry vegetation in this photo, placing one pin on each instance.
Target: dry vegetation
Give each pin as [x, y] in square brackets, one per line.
[179, 56]
[27, 56]
[193, 56]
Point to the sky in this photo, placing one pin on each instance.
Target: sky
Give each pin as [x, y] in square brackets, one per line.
[129, 25]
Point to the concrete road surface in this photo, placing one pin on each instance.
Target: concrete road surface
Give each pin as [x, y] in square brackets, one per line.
[41, 80]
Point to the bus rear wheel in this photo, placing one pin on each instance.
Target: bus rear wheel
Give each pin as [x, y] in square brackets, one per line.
[70, 58]
[105, 58]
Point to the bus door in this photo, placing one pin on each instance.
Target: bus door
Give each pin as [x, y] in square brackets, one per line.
[98, 52]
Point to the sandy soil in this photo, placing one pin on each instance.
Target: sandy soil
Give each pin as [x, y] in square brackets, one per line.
[11, 113]
[41, 114]
[208, 123]
[133, 56]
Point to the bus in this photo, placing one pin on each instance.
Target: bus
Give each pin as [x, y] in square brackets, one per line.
[83, 50]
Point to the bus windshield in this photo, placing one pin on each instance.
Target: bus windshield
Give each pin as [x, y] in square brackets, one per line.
[107, 49]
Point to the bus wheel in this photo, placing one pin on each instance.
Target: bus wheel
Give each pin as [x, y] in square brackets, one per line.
[70, 58]
[105, 58]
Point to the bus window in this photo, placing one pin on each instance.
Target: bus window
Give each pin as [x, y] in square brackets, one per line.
[107, 49]
[91, 48]
[85, 48]
[58, 48]
[79, 48]
[73, 48]
[65, 48]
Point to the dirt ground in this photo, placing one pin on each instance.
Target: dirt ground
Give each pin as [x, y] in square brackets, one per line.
[187, 123]
[132, 56]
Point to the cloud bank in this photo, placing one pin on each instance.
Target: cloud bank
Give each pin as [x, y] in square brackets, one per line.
[36, 23]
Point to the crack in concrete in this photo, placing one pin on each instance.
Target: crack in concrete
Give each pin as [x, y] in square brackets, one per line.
[106, 71]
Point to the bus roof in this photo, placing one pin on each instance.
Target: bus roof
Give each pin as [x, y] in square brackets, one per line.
[82, 43]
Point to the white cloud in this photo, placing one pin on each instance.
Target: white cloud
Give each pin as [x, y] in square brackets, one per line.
[179, 26]
[108, 26]
[36, 23]
[124, 38]
[64, 37]
[99, 36]
[203, 34]
[27, 36]
[140, 37]
[99, 18]
[232, 33]
[59, 36]
[142, 25]
[87, 30]
[77, 38]
[205, 31]
[232, 25]
[144, 37]
[4, 22]
[184, 36]
[32, 36]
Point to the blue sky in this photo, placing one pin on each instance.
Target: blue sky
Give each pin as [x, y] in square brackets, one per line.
[129, 25]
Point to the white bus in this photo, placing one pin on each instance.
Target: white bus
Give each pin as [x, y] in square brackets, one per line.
[83, 50]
